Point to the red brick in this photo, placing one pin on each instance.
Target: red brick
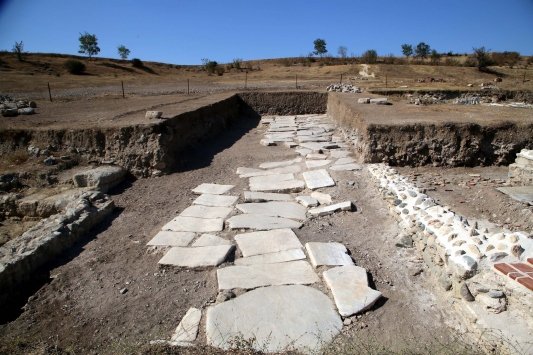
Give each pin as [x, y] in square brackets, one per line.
[523, 267]
[515, 275]
[504, 268]
[530, 260]
[526, 281]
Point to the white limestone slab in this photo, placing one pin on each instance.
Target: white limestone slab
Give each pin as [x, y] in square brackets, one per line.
[323, 198]
[272, 258]
[277, 164]
[196, 257]
[200, 211]
[173, 239]
[197, 225]
[215, 200]
[328, 254]
[313, 146]
[339, 153]
[242, 170]
[213, 189]
[252, 276]
[187, 330]
[307, 201]
[345, 160]
[304, 139]
[316, 156]
[303, 151]
[349, 286]
[276, 183]
[278, 318]
[207, 240]
[255, 196]
[281, 170]
[346, 167]
[330, 209]
[283, 209]
[273, 178]
[318, 178]
[290, 144]
[312, 164]
[260, 222]
[265, 242]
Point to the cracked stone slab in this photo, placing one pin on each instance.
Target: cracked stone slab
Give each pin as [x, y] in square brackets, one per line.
[318, 178]
[349, 286]
[272, 258]
[207, 240]
[307, 201]
[187, 330]
[346, 167]
[277, 164]
[276, 183]
[265, 242]
[255, 196]
[330, 209]
[323, 198]
[252, 276]
[260, 222]
[215, 200]
[304, 319]
[196, 257]
[173, 239]
[212, 189]
[328, 254]
[251, 172]
[192, 224]
[312, 164]
[200, 211]
[282, 209]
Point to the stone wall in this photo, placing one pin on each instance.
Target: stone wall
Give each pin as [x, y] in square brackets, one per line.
[521, 171]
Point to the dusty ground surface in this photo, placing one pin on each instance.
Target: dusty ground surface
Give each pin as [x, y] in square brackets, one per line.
[81, 310]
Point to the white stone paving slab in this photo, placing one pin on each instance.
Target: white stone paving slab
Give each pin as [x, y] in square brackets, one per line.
[307, 201]
[323, 198]
[196, 257]
[283, 209]
[314, 147]
[330, 209]
[260, 222]
[312, 164]
[346, 167]
[200, 211]
[303, 151]
[276, 183]
[197, 225]
[255, 196]
[349, 286]
[252, 276]
[173, 239]
[207, 240]
[277, 164]
[345, 160]
[305, 320]
[318, 178]
[187, 330]
[266, 242]
[316, 156]
[213, 189]
[328, 254]
[272, 258]
[339, 153]
[281, 170]
[215, 200]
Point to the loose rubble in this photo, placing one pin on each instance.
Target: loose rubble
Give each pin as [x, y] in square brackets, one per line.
[10, 107]
[343, 88]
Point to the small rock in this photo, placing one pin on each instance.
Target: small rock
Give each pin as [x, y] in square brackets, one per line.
[225, 295]
[466, 294]
[153, 114]
[496, 294]
[517, 250]
[347, 321]
[497, 256]
[405, 241]
[50, 161]
[123, 290]
[26, 111]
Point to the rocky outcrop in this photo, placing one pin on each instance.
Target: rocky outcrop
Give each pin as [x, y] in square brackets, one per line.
[521, 171]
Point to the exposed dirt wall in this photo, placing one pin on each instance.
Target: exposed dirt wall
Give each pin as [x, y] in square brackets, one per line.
[285, 103]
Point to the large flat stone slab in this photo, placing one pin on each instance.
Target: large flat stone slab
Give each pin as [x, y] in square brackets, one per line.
[215, 200]
[283, 209]
[277, 164]
[328, 254]
[313, 164]
[349, 286]
[307, 201]
[253, 276]
[265, 242]
[346, 167]
[212, 189]
[172, 239]
[276, 183]
[519, 193]
[326, 210]
[278, 318]
[256, 196]
[263, 172]
[339, 153]
[187, 330]
[200, 211]
[318, 178]
[260, 222]
[323, 198]
[207, 240]
[196, 257]
[272, 258]
[192, 224]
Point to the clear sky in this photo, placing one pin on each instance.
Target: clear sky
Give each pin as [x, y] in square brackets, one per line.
[184, 32]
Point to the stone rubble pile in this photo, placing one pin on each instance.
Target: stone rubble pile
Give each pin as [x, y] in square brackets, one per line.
[10, 107]
[521, 171]
[344, 88]
[271, 262]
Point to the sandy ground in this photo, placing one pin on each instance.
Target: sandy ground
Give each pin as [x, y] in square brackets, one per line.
[80, 308]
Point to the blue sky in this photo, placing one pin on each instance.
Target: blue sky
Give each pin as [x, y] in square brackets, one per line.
[184, 32]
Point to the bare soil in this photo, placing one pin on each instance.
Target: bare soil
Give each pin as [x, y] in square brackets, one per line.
[81, 309]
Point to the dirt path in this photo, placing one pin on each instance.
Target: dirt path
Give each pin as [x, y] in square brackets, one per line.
[82, 309]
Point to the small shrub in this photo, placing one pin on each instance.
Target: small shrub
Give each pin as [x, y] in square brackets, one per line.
[452, 62]
[137, 63]
[369, 57]
[219, 70]
[75, 67]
